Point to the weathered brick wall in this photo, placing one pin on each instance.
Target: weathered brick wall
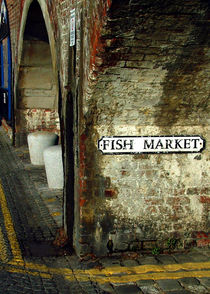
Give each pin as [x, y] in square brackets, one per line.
[14, 22]
[138, 68]
[151, 78]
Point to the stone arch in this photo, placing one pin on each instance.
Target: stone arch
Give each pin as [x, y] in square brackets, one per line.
[36, 98]
[49, 28]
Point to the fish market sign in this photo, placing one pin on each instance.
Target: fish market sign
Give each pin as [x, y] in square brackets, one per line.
[152, 144]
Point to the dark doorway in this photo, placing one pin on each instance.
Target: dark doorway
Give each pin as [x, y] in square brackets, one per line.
[37, 90]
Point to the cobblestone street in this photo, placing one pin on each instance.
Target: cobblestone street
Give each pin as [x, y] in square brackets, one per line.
[31, 214]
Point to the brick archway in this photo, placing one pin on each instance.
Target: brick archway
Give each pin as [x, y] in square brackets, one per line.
[36, 77]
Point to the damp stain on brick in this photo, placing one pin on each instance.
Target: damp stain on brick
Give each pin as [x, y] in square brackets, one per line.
[184, 96]
[97, 24]
[97, 222]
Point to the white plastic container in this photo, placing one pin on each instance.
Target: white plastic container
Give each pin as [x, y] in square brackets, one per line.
[54, 167]
[37, 143]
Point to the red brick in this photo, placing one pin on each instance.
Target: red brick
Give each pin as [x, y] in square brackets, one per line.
[202, 235]
[203, 242]
[110, 193]
[204, 199]
[82, 202]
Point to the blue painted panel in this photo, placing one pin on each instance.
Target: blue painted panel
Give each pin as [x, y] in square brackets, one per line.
[6, 67]
[9, 80]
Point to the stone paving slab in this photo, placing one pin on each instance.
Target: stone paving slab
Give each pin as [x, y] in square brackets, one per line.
[169, 285]
[148, 260]
[106, 288]
[205, 282]
[166, 259]
[125, 289]
[150, 290]
[189, 281]
[177, 292]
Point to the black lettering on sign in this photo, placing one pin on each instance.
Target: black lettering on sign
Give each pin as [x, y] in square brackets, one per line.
[113, 141]
[106, 144]
[187, 144]
[195, 142]
[130, 144]
[148, 145]
[151, 144]
[119, 144]
[177, 143]
[159, 144]
[169, 144]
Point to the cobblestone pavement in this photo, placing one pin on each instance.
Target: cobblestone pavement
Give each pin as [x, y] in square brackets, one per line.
[30, 215]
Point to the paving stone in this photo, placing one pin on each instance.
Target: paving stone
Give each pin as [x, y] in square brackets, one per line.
[198, 257]
[148, 260]
[125, 289]
[90, 265]
[178, 292]
[197, 289]
[107, 287]
[130, 262]
[205, 282]
[74, 261]
[87, 287]
[75, 288]
[182, 258]
[189, 281]
[150, 290]
[205, 251]
[169, 285]
[145, 283]
[112, 261]
[166, 259]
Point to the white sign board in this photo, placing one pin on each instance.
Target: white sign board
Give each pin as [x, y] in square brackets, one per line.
[72, 27]
[3, 13]
[153, 144]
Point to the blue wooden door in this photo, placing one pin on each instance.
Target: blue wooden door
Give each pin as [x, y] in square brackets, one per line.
[6, 66]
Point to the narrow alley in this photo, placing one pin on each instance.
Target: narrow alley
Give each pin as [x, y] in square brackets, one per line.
[113, 97]
[30, 215]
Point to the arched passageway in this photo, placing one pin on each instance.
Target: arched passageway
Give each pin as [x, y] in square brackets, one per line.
[38, 94]
[37, 85]
[37, 91]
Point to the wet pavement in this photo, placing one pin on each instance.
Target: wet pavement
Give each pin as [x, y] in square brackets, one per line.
[31, 214]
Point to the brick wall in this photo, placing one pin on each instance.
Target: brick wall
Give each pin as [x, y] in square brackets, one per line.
[14, 21]
[150, 77]
[138, 68]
